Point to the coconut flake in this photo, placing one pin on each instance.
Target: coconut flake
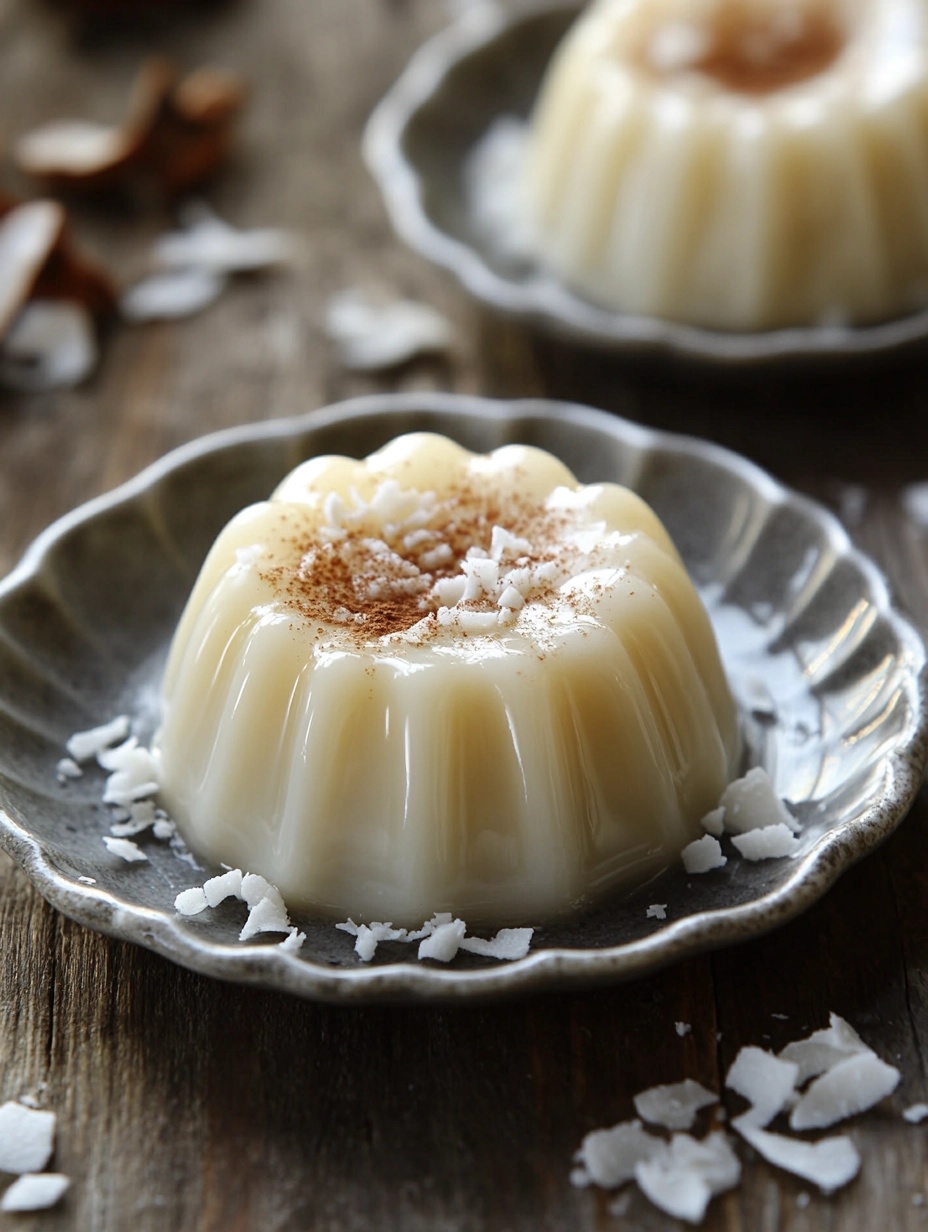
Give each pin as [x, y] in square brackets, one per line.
[444, 941]
[191, 902]
[851, 1086]
[673, 1105]
[33, 1192]
[916, 1113]
[124, 848]
[66, 769]
[27, 1136]
[823, 1049]
[169, 296]
[508, 944]
[751, 803]
[609, 1157]
[829, 1163]
[50, 345]
[682, 1178]
[370, 336]
[682, 1028]
[227, 885]
[657, 911]
[268, 915]
[207, 242]
[767, 843]
[703, 855]
[766, 1082]
[293, 941]
[84, 745]
[714, 822]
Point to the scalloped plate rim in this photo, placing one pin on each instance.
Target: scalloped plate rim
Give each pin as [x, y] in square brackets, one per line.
[546, 302]
[162, 931]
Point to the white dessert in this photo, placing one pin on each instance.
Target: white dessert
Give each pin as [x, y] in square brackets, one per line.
[737, 164]
[438, 681]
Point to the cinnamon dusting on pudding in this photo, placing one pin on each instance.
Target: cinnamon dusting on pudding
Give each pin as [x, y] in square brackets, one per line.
[406, 559]
[748, 46]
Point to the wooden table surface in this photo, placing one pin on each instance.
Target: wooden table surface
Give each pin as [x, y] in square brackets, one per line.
[187, 1104]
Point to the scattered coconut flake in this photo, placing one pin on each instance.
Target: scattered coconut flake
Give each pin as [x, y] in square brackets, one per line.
[444, 942]
[682, 1028]
[657, 911]
[33, 1192]
[823, 1049]
[829, 1163]
[674, 1105]
[124, 848]
[293, 941]
[27, 1137]
[682, 1178]
[765, 1081]
[368, 936]
[84, 745]
[191, 902]
[751, 803]
[714, 822]
[703, 855]
[254, 888]
[269, 915]
[66, 769]
[508, 944]
[608, 1157]
[227, 885]
[207, 242]
[169, 296]
[851, 1086]
[767, 843]
[916, 1113]
[372, 336]
[50, 345]
[88, 880]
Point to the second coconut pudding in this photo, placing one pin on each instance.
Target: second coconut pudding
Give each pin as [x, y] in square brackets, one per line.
[438, 681]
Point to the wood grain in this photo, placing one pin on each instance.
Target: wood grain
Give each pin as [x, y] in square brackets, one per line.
[190, 1105]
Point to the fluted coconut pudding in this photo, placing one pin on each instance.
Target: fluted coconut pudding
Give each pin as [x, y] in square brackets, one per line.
[439, 681]
[737, 164]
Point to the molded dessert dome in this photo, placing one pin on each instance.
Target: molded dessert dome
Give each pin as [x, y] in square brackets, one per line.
[438, 681]
[737, 164]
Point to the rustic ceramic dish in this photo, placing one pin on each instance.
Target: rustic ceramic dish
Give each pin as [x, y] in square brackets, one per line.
[829, 677]
[418, 143]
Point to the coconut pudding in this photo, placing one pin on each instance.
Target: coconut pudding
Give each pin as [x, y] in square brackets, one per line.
[737, 164]
[438, 681]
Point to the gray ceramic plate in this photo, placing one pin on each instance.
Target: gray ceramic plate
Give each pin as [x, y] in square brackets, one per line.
[418, 143]
[828, 674]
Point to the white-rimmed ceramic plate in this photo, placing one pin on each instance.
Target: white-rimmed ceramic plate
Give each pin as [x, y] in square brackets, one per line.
[828, 674]
[419, 143]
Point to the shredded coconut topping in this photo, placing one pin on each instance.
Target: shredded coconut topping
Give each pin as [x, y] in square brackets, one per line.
[405, 563]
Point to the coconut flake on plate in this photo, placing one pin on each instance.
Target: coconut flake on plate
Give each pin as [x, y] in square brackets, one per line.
[609, 1157]
[444, 941]
[508, 944]
[27, 1137]
[371, 335]
[768, 843]
[703, 855]
[124, 848]
[851, 1086]
[67, 769]
[714, 822]
[35, 1192]
[766, 1082]
[657, 911]
[85, 745]
[829, 1163]
[751, 803]
[674, 1105]
[191, 902]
